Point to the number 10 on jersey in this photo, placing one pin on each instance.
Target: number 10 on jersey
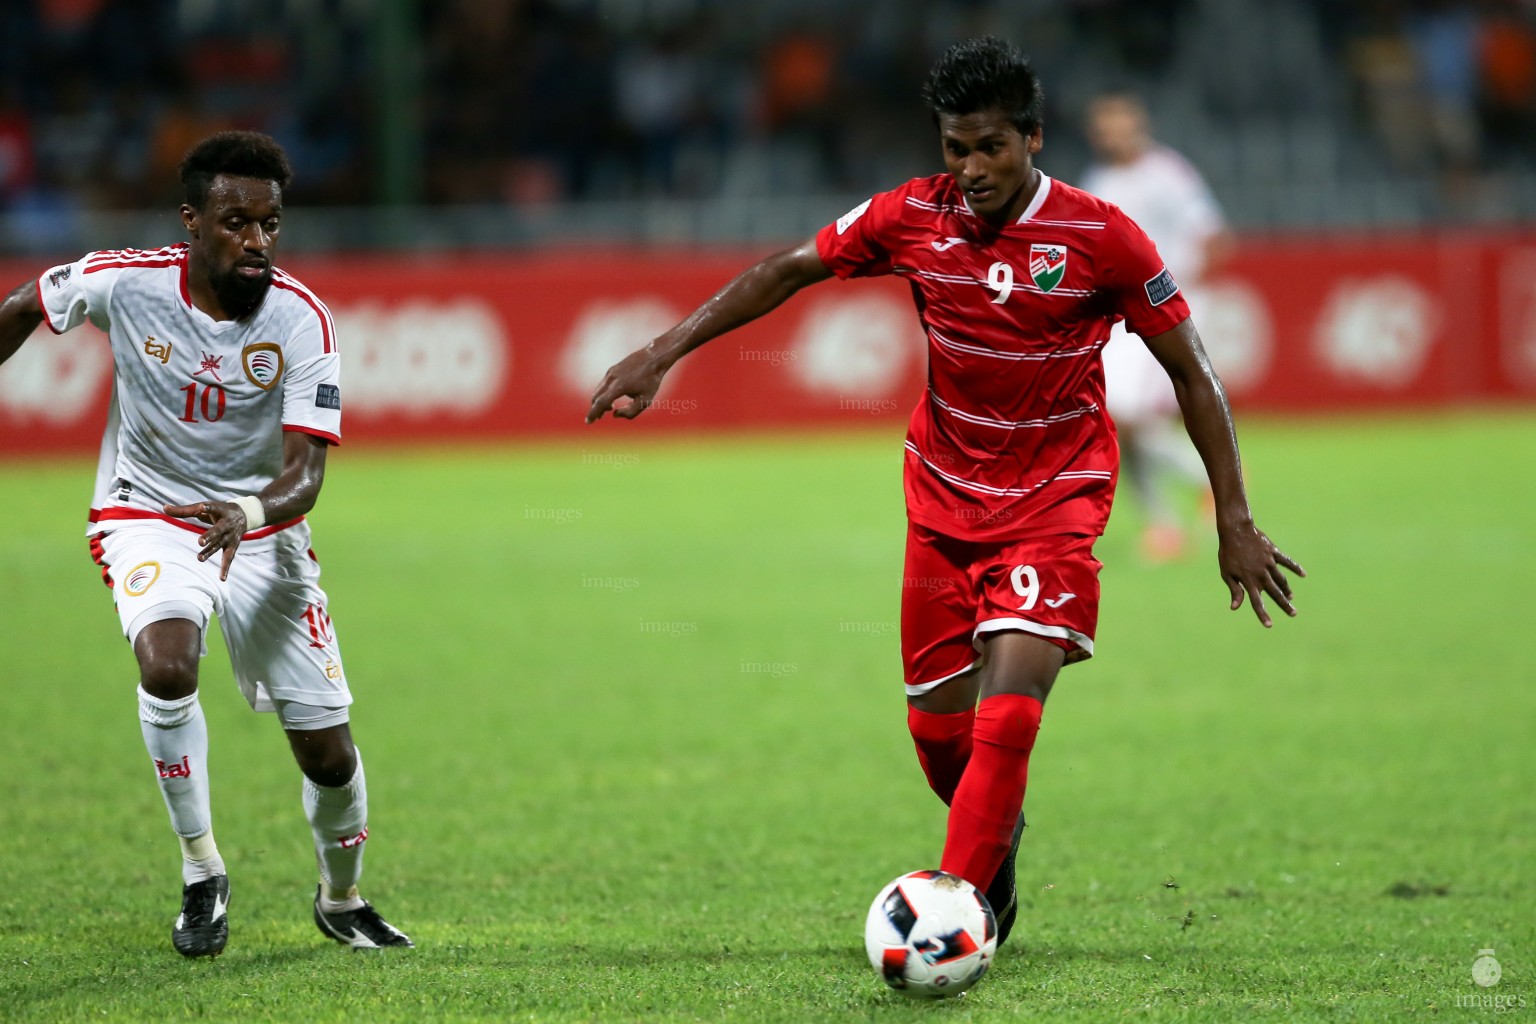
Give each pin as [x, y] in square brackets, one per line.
[211, 406]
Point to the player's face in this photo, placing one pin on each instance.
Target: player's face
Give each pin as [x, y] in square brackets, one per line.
[1117, 129]
[233, 237]
[991, 161]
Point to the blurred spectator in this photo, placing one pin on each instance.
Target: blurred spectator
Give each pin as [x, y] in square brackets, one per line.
[657, 91]
[1443, 35]
[1386, 74]
[17, 161]
[1507, 63]
[528, 101]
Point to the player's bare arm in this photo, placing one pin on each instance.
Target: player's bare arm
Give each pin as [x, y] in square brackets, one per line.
[754, 292]
[1250, 562]
[20, 315]
[291, 495]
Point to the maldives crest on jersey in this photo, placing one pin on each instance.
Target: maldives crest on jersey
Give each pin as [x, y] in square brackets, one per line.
[1047, 264]
[263, 363]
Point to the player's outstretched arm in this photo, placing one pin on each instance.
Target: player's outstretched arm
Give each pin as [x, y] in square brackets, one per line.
[20, 315]
[291, 495]
[1250, 562]
[755, 291]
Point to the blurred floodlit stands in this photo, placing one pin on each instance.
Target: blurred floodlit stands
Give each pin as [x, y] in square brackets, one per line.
[474, 123]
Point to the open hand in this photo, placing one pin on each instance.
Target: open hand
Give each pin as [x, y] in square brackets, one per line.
[227, 526]
[1251, 564]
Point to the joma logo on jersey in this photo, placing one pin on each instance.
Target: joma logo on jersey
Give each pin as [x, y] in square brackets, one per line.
[160, 350]
[263, 363]
[1047, 264]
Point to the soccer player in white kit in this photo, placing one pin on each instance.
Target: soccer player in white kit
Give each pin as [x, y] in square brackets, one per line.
[226, 398]
[1162, 192]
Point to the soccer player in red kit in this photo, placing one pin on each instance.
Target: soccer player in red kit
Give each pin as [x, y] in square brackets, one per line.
[1011, 460]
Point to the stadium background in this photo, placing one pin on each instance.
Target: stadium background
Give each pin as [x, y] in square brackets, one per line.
[693, 801]
[499, 199]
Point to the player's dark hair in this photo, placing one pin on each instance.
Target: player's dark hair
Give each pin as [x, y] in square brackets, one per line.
[238, 154]
[986, 74]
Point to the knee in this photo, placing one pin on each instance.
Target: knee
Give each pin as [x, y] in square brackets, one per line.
[325, 761]
[166, 676]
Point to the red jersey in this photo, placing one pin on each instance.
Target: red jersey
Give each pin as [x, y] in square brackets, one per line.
[1011, 437]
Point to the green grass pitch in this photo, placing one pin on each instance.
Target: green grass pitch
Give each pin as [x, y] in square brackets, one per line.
[636, 747]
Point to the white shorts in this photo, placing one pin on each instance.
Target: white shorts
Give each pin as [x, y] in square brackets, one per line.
[1136, 387]
[271, 609]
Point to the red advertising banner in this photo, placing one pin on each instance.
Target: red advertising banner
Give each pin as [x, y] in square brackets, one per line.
[501, 346]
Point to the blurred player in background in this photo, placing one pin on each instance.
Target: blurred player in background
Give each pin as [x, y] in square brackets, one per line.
[1010, 456]
[1170, 201]
[226, 398]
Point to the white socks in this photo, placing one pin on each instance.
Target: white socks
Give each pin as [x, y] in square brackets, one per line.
[338, 816]
[176, 736]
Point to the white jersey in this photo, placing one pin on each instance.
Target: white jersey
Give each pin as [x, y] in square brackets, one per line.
[1162, 192]
[199, 405]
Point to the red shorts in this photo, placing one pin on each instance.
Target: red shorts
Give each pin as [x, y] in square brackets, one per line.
[954, 591]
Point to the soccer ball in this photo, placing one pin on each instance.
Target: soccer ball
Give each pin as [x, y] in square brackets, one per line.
[930, 934]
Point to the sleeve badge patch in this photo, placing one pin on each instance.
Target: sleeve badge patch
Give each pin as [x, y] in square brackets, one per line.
[846, 220]
[328, 396]
[58, 277]
[1161, 288]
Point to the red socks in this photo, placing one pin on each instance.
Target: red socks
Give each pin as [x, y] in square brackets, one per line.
[986, 803]
[943, 747]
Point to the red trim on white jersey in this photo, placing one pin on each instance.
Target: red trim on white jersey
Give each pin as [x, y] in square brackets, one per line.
[122, 259]
[322, 434]
[115, 514]
[128, 255]
[288, 282]
[134, 265]
[44, 307]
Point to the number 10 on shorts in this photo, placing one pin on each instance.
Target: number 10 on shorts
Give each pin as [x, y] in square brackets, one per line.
[319, 626]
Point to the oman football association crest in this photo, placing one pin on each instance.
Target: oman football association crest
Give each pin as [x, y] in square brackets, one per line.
[1047, 264]
[263, 363]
